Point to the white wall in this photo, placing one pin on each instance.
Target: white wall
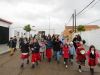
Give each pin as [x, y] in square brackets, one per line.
[92, 38]
[18, 31]
[15, 31]
[15, 28]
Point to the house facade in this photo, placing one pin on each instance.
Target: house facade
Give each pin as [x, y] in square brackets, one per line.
[68, 31]
[4, 31]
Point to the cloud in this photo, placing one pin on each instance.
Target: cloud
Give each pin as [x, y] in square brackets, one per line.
[37, 12]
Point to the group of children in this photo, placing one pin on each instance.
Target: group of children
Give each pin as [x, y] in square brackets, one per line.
[53, 47]
[92, 55]
[49, 48]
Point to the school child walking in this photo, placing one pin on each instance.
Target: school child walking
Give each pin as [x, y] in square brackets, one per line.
[15, 43]
[24, 46]
[49, 48]
[80, 56]
[72, 52]
[93, 56]
[42, 49]
[66, 54]
[20, 41]
[11, 46]
[35, 47]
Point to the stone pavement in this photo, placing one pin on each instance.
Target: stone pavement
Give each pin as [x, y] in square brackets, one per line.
[10, 65]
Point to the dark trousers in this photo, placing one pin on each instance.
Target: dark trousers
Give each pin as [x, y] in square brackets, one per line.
[66, 61]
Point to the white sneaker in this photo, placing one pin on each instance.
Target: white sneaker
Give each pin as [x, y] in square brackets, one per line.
[80, 70]
[66, 66]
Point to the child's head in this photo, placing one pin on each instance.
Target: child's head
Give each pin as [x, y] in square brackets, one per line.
[66, 45]
[42, 40]
[25, 40]
[11, 38]
[71, 43]
[35, 40]
[92, 48]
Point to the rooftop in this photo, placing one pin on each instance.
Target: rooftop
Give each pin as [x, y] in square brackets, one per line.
[86, 26]
[5, 21]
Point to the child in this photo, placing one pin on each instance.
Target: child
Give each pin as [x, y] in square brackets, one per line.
[93, 56]
[15, 43]
[49, 49]
[66, 54]
[80, 55]
[42, 48]
[35, 47]
[72, 52]
[11, 46]
[24, 46]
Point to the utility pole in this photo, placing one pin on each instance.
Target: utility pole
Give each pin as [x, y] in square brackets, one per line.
[54, 31]
[75, 20]
[49, 24]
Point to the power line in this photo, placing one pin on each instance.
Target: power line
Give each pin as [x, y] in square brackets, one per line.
[85, 8]
[95, 3]
[69, 20]
[91, 7]
[93, 21]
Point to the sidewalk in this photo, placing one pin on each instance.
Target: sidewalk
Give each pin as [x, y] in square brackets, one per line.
[3, 48]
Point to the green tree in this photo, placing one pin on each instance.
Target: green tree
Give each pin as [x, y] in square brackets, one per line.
[27, 28]
[80, 28]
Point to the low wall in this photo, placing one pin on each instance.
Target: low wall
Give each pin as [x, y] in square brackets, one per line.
[92, 38]
[4, 48]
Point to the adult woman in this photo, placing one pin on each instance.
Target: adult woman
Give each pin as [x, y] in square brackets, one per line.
[57, 49]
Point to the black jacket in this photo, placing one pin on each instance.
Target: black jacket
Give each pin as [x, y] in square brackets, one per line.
[11, 44]
[56, 45]
[15, 42]
[24, 47]
[35, 47]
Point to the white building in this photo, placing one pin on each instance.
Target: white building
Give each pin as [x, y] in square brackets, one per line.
[18, 31]
[4, 31]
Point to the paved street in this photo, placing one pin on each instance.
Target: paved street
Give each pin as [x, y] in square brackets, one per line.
[3, 48]
[11, 66]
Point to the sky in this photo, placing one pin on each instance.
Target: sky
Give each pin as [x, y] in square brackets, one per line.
[42, 13]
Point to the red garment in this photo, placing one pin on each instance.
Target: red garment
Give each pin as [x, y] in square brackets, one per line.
[65, 52]
[92, 62]
[49, 53]
[78, 44]
[80, 57]
[24, 56]
[36, 57]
